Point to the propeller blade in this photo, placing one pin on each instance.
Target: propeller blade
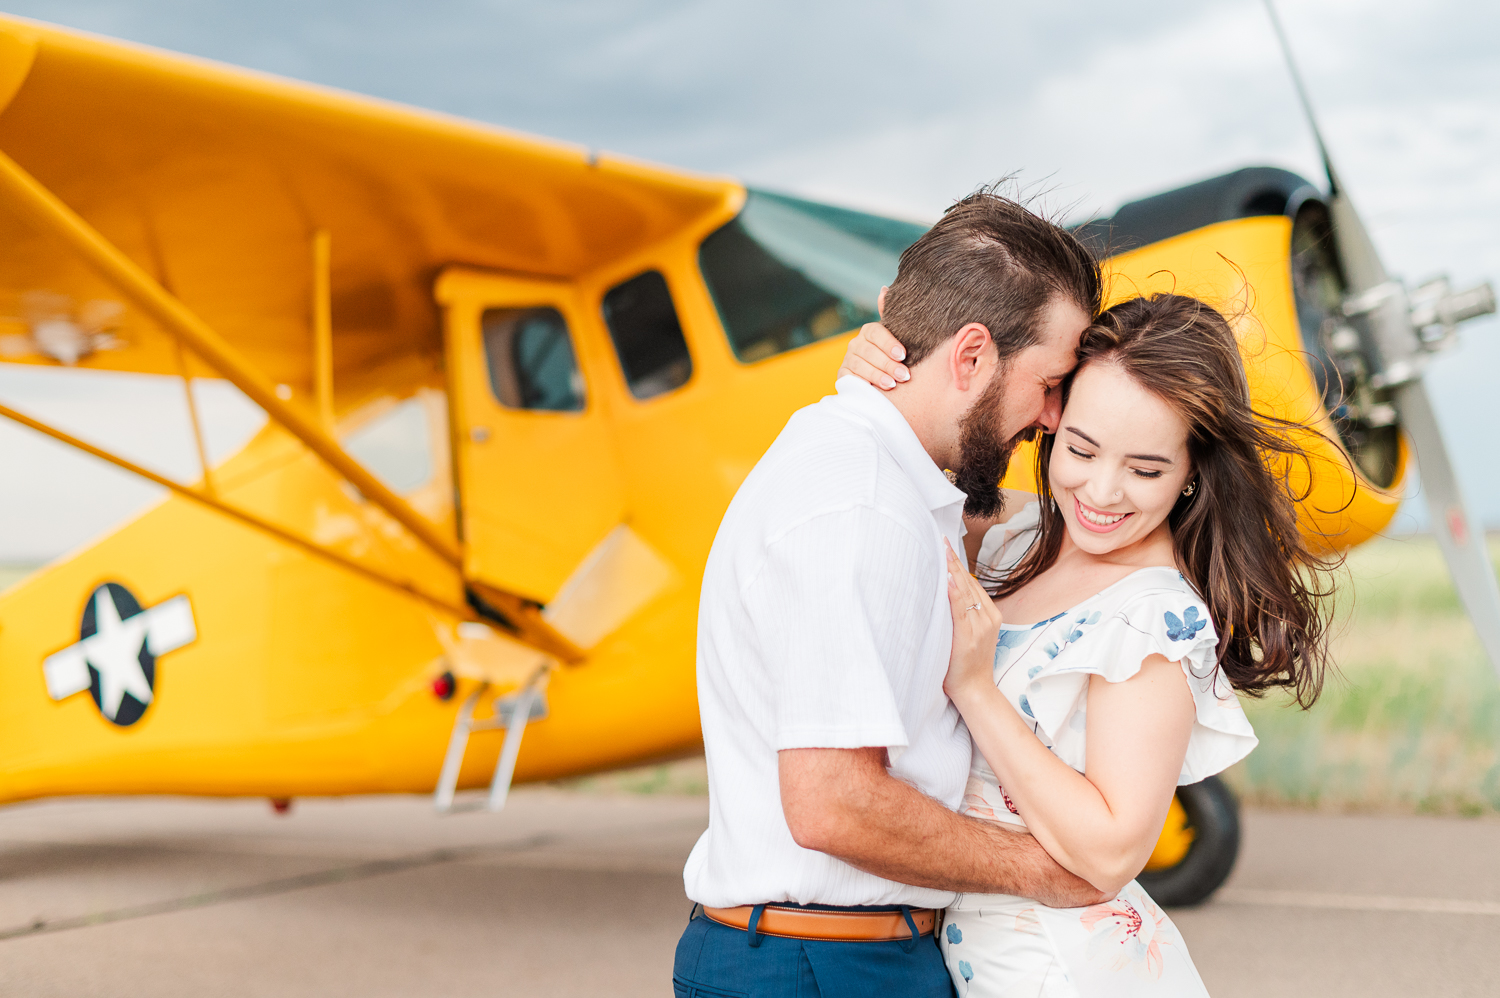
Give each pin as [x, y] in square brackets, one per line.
[1399, 358]
[1459, 536]
[1361, 265]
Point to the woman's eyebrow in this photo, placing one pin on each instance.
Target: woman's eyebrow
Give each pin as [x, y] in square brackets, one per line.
[1134, 457]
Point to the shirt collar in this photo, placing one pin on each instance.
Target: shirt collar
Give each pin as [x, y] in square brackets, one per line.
[892, 429]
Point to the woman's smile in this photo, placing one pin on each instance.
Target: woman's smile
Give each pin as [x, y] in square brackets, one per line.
[1097, 520]
[1118, 441]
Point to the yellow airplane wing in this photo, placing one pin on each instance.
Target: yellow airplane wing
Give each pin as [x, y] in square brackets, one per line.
[216, 181]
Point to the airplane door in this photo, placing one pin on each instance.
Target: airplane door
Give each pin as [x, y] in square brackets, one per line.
[538, 478]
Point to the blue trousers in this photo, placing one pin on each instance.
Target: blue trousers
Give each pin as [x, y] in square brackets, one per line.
[717, 961]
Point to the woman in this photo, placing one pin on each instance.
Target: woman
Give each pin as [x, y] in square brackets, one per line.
[1159, 571]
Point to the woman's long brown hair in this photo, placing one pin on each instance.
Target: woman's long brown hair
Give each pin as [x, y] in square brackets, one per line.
[1235, 538]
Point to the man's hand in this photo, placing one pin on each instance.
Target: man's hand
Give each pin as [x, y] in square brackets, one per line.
[845, 803]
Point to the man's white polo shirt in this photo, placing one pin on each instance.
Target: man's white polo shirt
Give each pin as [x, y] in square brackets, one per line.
[824, 623]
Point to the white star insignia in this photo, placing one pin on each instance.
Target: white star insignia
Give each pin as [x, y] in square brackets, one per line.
[114, 650]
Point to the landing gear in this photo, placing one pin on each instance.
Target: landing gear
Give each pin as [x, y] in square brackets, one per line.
[1198, 846]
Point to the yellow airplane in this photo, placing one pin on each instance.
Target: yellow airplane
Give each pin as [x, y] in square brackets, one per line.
[510, 386]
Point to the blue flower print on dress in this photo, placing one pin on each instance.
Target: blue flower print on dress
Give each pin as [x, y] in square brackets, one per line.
[1186, 628]
[955, 935]
[1026, 707]
[1073, 633]
[1044, 623]
[1083, 621]
[967, 973]
[1006, 643]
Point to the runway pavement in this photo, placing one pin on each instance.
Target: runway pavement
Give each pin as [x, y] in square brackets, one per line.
[580, 894]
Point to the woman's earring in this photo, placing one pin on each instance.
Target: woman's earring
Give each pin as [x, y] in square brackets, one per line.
[1192, 487]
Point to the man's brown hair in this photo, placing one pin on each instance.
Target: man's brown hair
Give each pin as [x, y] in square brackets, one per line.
[992, 261]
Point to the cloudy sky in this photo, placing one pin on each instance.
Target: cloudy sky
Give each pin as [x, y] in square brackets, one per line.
[896, 107]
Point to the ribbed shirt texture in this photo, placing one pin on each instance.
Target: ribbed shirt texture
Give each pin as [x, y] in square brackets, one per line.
[824, 623]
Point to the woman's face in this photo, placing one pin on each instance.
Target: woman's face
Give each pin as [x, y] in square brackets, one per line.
[1120, 460]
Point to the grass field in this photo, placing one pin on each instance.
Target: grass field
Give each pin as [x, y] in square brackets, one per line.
[1411, 721]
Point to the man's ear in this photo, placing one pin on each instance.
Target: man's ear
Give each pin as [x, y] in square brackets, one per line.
[880, 302]
[969, 355]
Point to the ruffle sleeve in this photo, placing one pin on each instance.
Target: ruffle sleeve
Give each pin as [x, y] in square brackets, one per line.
[1166, 621]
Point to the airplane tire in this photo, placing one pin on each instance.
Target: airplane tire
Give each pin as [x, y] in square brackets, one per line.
[1213, 812]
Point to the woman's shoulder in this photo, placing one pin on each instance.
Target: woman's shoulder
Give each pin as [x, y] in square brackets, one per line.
[1150, 611]
[1153, 611]
[1161, 592]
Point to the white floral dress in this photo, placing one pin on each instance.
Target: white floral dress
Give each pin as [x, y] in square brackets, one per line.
[998, 945]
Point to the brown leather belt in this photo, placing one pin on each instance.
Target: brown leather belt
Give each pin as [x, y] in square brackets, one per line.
[827, 926]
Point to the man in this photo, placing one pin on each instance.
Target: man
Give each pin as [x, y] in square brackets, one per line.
[835, 762]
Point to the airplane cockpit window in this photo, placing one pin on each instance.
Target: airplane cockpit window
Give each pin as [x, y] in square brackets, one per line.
[531, 360]
[648, 339]
[788, 272]
[396, 445]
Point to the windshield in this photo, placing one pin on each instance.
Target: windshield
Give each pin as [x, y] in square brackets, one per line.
[789, 272]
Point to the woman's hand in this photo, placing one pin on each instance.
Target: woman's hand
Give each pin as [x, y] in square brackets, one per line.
[976, 627]
[875, 356]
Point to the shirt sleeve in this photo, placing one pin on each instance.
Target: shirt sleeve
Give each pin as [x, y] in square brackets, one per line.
[845, 601]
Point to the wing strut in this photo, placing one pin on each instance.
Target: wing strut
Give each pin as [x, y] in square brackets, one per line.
[192, 408]
[323, 326]
[46, 209]
[175, 317]
[249, 519]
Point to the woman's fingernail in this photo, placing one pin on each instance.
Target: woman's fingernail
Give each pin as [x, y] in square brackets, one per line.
[902, 374]
[886, 382]
[898, 352]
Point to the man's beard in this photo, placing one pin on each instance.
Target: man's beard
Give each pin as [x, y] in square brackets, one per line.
[983, 456]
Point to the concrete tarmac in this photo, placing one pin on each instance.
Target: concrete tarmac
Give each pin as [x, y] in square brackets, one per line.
[581, 894]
